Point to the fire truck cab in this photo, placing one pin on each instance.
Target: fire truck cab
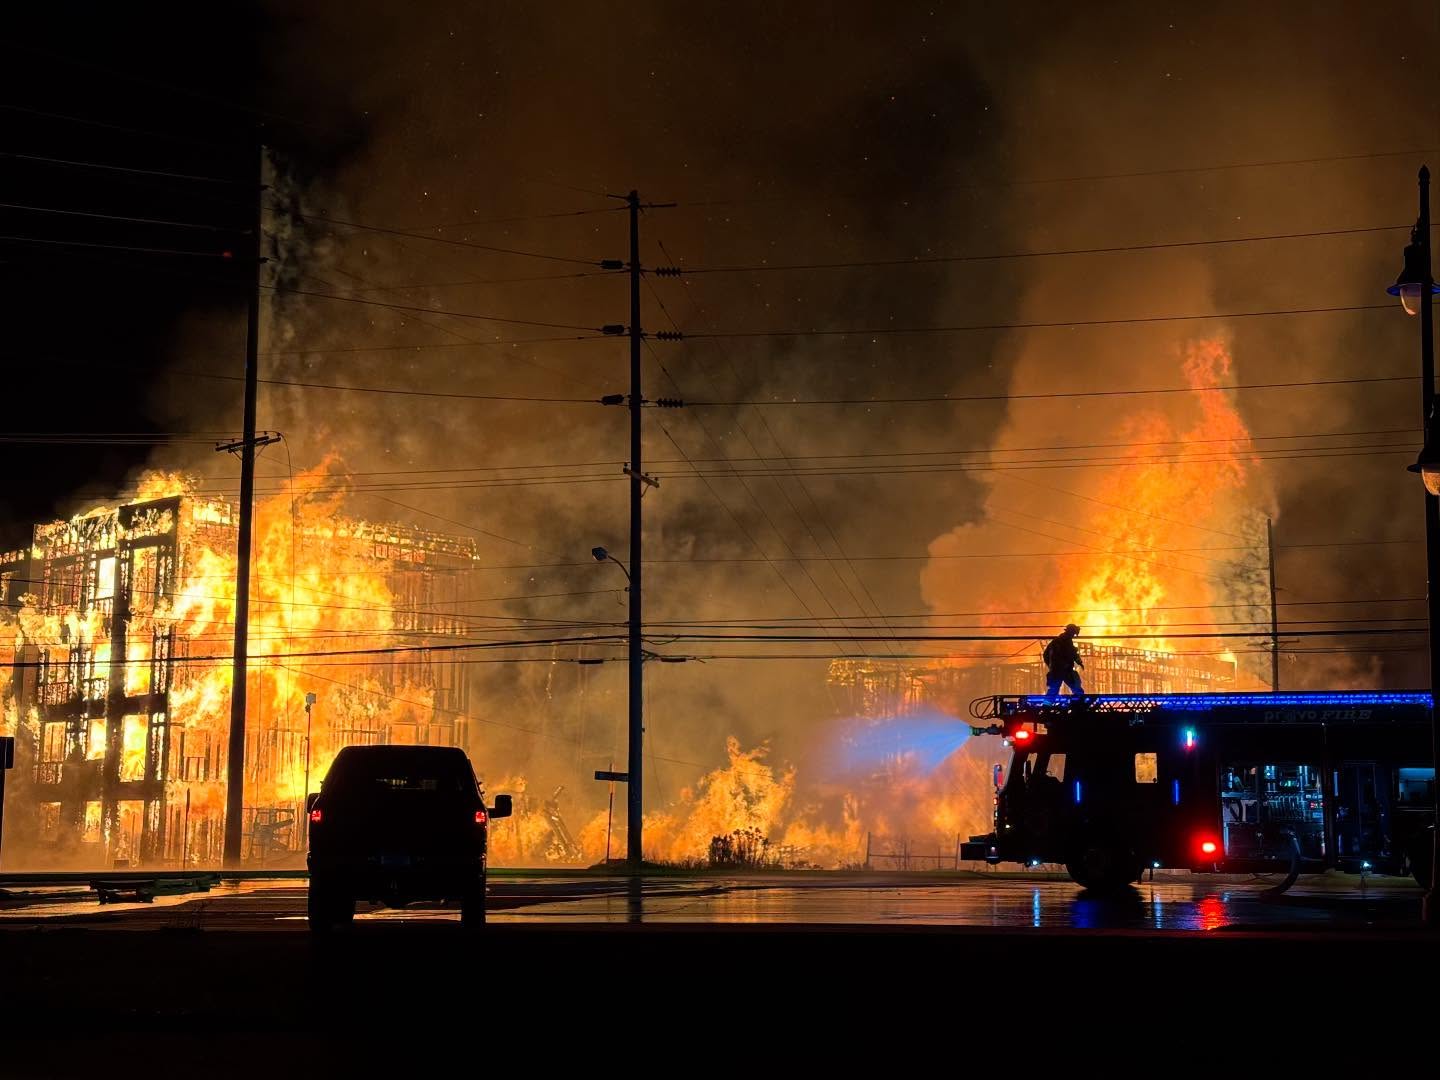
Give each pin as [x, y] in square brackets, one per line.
[1112, 785]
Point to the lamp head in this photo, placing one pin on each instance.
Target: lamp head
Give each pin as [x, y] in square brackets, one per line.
[1410, 285]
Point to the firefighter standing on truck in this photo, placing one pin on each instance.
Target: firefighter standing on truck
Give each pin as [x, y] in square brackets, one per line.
[1061, 659]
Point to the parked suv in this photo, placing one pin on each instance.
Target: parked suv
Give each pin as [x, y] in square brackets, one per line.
[396, 824]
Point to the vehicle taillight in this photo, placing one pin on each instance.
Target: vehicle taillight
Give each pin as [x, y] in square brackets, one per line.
[1208, 847]
[315, 816]
[480, 817]
[1022, 735]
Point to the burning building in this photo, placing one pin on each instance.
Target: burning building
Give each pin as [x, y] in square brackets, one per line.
[118, 627]
[883, 689]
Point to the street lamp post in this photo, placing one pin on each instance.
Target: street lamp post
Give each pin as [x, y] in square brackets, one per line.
[305, 813]
[1415, 287]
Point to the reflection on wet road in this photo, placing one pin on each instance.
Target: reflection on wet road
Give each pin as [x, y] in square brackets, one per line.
[1179, 904]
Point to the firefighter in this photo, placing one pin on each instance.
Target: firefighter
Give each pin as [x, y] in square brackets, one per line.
[1061, 659]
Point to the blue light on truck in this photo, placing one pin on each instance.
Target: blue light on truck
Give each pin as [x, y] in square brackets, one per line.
[1189, 738]
[1175, 792]
[1077, 792]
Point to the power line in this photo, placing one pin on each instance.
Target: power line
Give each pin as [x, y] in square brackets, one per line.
[121, 217]
[1175, 457]
[227, 488]
[1161, 636]
[39, 439]
[489, 281]
[1055, 395]
[425, 346]
[779, 486]
[69, 163]
[694, 461]
[1044, 630]
[758, 505]
[470, 528]
[1240, 442]
[91, 122]
[1049, 464]
[1037, 181]
[226, 255]
[432, 239]
[617, 640]
[927, 260]
[1124, 610]
[430, 311]
[968, 328]
[387, 650]
[183, 91]
[463, 339]
[392, 390]
[1258, 627]
[528, 217]
[931, 657]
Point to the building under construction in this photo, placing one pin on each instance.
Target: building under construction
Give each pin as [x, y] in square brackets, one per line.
[883, 689]
[116, 630]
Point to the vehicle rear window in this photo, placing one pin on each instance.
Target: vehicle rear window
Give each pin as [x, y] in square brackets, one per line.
[413, 783]
[401, 773]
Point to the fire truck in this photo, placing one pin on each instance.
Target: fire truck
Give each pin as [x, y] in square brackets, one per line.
[1286, 783]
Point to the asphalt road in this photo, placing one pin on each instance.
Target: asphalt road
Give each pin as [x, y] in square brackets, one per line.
[875, 901]
[609, 975]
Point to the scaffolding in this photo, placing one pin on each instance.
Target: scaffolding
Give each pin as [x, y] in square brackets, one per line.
[878, 690]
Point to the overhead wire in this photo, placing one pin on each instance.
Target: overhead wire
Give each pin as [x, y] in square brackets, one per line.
[794, 509]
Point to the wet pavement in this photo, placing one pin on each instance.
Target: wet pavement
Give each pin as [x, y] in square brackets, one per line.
[231, 979]
[1172, 903]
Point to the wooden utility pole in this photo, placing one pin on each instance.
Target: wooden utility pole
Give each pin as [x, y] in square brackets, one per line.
[635, 765]
[235, 759]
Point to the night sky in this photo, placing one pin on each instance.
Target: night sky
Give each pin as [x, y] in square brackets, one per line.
[864, 133]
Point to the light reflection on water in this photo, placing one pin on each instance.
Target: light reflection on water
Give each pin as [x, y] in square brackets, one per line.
[1014, 903]
[1001, 904]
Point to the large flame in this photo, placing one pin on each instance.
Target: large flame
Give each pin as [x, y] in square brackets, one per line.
[1157, 536]
[1160, 529]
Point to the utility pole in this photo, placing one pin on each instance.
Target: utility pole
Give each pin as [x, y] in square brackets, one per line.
[1274, 611]
[235, 760]
[634, 468]
[635, 767]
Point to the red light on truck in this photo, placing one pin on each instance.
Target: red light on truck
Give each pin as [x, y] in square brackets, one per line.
[1209, 847]
[1022, 735]
[315, 816]
[480, 817]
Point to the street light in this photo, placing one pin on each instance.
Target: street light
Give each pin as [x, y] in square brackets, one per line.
[1410, 285]
[1428, 466]
[1416, 286]
[600, 554]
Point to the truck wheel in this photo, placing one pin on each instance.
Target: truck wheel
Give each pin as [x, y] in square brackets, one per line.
[472, 908]
[328, 908]
[1103, 868]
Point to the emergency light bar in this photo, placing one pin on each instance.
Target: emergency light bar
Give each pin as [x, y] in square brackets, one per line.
[1222, 701]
